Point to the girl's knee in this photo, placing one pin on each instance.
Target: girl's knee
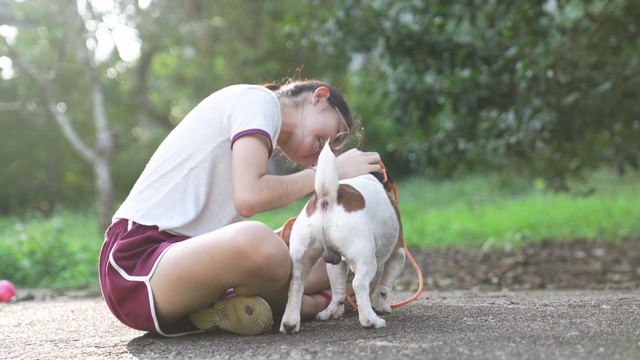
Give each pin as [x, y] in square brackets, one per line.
[265, 251]
[257, 230]
[261, 238]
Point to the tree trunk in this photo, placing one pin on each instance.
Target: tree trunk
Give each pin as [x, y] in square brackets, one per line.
[97, 156]
[104, 191]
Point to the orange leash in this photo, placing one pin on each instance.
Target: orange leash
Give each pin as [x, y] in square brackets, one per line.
[385, 180]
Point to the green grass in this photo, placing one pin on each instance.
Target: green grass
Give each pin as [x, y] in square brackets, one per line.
[486, 211]
[59, 252]
[62, 251]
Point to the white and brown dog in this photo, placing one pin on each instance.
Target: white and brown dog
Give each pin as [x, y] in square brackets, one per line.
[352, 223]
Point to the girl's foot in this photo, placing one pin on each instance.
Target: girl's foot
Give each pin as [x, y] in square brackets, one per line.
[245, 315]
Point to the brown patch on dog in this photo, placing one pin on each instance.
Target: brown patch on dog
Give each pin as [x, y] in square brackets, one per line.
[311, 205]
[350, 198]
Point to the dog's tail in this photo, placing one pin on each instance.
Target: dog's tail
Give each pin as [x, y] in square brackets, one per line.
[326, 184]
[326, 187]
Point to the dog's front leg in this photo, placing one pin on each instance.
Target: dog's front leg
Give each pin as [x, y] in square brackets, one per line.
[302, 262]
[338, 280]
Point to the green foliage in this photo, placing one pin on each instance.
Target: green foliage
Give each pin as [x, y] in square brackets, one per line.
[42, 168]
[60, 251]
[188, 49]
[219, 43]
[546, 89]
[549, 88]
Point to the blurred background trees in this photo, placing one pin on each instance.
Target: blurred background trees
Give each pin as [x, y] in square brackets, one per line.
[545, 89]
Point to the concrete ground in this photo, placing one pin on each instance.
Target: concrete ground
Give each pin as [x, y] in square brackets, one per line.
[439, 325]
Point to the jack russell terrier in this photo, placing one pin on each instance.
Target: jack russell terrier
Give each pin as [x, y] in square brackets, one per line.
[350, 223]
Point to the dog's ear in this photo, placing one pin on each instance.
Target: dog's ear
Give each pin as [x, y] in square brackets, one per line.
[378, 176]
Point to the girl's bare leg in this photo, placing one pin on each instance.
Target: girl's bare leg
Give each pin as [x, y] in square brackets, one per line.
[246, 256]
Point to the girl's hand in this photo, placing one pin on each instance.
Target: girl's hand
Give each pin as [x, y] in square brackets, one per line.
[355, 162]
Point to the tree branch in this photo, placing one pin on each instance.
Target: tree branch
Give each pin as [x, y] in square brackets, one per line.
[142, 93]
[104, 144]
[62, 119]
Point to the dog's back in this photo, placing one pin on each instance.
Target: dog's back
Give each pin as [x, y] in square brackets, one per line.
[383, 219]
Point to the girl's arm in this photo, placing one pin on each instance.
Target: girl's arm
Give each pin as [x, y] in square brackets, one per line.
[254, 191]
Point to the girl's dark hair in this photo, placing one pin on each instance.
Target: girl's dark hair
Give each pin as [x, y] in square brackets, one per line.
[293, 88]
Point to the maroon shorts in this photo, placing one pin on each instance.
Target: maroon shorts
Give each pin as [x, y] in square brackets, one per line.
[129, 256]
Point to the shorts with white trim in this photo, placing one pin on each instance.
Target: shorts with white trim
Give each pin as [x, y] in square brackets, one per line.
[128, 258]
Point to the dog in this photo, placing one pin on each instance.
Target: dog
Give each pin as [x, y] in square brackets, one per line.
[352, 223]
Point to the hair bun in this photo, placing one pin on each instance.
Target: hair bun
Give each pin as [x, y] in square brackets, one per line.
[272, 86]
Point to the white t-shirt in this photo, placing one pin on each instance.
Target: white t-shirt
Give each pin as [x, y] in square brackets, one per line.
[186, 186]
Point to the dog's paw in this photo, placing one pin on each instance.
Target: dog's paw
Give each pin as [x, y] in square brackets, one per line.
[323, 315]
[289, 328]
[290, 323]
[373, 323]
[327, 315]
[332, 312]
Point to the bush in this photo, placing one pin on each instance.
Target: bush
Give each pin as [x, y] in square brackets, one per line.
[59, 252]
[547, 88]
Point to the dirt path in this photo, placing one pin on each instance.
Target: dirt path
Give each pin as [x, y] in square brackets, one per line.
[440, 325]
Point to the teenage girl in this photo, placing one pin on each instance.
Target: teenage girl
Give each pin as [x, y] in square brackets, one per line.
[178, 257]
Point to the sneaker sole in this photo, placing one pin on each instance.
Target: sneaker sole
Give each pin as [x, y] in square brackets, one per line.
[245, 315]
